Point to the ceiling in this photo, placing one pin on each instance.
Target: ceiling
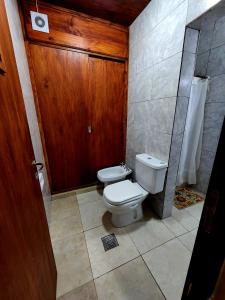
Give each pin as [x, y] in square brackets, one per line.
[118, 11]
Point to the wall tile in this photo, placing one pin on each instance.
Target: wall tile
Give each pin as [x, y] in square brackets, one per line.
[180, 115]
[213, 121]
[158, 144]
[202, 64]
[141, 88]
[166, 77]
[197, 8]
[216, 64]
[211, 137]
[169, 42]
[205, 169]
[161, 109]
[141, 115]
[174, 160]
[168, 203]
[214, 114]
[219, 33]
[146, 57]
[205, 40]
[150, 17]
[165, 8]
[216, 91]
[187, 73]
[208, 21]
[135, 28]
[130, 114]
[136, 141]
[130, 157]
[191, 40]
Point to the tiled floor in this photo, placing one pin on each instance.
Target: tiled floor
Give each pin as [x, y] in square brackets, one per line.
[150, 262]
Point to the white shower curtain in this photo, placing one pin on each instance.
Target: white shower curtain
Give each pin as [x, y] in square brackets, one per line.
[192, 141]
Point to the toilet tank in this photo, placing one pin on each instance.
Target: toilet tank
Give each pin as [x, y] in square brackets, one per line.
[150, 172]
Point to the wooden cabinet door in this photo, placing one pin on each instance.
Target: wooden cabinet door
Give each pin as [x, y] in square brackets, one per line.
[107, 86]
[27, 266]
[61, 79]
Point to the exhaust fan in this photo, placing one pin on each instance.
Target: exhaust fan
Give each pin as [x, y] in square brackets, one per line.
[39, 21]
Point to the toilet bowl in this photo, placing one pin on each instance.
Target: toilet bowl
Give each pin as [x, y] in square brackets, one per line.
[114, 174]
[124, 199]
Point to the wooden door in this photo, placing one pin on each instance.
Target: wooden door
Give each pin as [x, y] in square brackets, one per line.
[107, 80]
[27, 267]
[61, 79]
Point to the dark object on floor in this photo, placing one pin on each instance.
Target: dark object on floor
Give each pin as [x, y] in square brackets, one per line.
[185, 197]
[109, 242]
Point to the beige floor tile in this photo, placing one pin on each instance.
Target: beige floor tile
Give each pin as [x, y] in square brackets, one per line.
[64, 207]
[148, 235]
[85, 292]
[65, 227]
[188, 239]
[72, 262]
[89, 196]
[174, 226]
[131, 281]
[101, 261]
[169, 264]
[196, 210]
[185, 218]
[89, 189]
[93, 212]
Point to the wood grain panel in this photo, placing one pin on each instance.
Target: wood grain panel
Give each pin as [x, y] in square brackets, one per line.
[62, 86]
[108, 94]
[117, 11]
[27, 267]
[71, 29]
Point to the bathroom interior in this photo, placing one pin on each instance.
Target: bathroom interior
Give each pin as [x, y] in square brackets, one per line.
[125, 107]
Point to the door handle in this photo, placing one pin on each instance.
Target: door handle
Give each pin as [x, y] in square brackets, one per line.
[89, 129]
[38, 165]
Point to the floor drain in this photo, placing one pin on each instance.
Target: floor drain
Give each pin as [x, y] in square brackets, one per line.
[109, 241]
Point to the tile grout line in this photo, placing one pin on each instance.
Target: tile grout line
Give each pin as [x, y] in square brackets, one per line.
[73, 290]
[153, 277]
[118, 267]
[86, 243]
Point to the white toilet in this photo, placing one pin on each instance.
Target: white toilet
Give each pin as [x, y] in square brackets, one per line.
[124, 199]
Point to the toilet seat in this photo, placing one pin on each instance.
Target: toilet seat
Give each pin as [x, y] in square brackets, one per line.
[123, 192]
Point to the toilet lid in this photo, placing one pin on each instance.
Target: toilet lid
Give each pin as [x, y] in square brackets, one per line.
[122, 192]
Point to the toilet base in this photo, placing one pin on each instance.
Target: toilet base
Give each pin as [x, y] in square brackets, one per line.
[127, 217]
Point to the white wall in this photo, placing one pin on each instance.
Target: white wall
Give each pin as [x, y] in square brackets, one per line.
[156, 44]
[24, 75]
